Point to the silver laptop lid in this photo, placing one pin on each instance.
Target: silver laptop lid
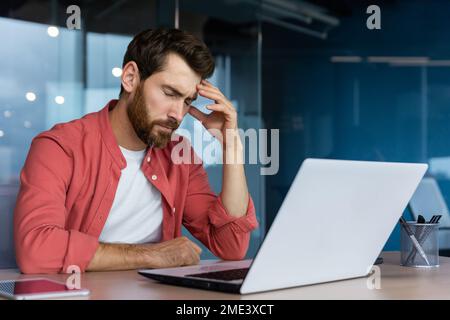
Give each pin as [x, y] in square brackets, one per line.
[333, 223]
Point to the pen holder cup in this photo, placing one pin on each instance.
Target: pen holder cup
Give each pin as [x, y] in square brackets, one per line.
[426, 235]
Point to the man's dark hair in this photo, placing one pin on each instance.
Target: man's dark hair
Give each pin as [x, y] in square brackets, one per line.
[149, 49]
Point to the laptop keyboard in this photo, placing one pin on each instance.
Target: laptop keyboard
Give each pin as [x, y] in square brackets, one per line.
[226, 275]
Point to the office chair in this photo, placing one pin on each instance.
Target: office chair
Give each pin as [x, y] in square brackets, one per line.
[427, 201]
[7, 202]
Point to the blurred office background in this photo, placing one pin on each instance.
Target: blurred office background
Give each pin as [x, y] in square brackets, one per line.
[312, 69]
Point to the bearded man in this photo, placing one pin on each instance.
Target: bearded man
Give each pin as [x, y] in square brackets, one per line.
[103, 192]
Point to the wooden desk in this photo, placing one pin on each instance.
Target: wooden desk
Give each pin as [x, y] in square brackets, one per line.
[396, 283]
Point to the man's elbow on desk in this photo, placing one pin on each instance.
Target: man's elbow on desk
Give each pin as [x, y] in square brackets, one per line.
[32, 261]
[50, 250]
[233, 256]
[231, 245]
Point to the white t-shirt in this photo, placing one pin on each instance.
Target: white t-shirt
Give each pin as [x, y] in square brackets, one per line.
[136, 214]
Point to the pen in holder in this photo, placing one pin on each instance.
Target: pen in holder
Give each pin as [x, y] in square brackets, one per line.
[419, 244]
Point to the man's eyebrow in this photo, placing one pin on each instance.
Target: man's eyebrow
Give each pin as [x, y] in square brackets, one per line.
[178, 93]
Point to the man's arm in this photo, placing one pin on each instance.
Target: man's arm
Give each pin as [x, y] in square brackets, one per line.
[222, 223]
[222, 123]
[173, 253]
[234, 193]
[43, 245]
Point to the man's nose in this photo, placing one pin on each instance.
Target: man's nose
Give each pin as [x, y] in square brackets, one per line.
[176, 112]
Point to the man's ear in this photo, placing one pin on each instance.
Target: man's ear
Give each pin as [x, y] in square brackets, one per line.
[130, 77]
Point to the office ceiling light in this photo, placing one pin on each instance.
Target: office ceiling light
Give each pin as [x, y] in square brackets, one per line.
[346, 59]
[59, 99]
[7, 114]
[283, 12]
[295, 15]
[438, 63]
[27, 124]
[429, 63]
[2, 133]
[30, 96]
[397, 59]
[293, 27]
[308, 9]
[116, 72]
[53, 31]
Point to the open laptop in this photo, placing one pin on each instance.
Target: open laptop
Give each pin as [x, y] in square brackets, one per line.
[332, 225]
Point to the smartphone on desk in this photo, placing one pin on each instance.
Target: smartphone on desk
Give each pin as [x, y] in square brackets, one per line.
[37, 288]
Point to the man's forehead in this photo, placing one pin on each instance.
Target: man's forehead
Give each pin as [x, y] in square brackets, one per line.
[176, 67]
[179, 76]
[180, 85]
[184, 88]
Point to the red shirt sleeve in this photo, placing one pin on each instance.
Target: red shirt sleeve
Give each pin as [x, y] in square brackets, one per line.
[42, 243]
[208, 220]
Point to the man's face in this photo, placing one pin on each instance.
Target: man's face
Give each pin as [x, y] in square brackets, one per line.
[162, 100]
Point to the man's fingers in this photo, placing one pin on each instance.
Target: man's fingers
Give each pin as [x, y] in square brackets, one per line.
[195, 253]
[221, 108]
[195, 258]
[197, 249]
[191, 244]
[209, 91]
[193, 111]
[216, 107]
[213, 95]
[208, 84]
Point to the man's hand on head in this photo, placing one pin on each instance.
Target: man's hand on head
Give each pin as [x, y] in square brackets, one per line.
[223, 116]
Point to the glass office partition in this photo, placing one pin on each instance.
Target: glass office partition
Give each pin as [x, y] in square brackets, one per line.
[53, 74]
[354, 92]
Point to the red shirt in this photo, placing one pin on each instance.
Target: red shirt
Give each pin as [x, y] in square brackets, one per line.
[68, 184]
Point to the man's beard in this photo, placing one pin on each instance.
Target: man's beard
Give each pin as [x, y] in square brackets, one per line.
[143, 124]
